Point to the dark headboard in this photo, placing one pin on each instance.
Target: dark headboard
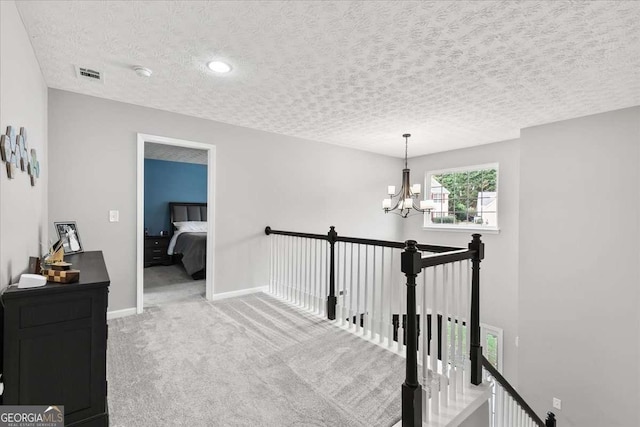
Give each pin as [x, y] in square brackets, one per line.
[185, 211]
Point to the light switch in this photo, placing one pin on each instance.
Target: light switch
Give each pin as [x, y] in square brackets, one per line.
[557, 403]
[114, 216]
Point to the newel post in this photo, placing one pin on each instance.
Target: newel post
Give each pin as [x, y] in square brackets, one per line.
[476, 346]
[551, 420]
[332, 238]
[411, 390]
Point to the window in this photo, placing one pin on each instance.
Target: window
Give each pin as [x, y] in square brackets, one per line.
[463, 198]
[491, 341]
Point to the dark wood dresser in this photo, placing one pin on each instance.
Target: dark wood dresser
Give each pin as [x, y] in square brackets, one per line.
[54, 344]
[155, 250]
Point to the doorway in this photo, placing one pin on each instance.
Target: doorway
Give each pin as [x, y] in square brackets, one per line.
[158, 227]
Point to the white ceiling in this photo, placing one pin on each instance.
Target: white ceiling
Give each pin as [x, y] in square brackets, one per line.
[174, 153]
[358, 74]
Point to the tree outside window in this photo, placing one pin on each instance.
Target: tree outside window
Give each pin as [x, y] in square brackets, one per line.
[465, 197]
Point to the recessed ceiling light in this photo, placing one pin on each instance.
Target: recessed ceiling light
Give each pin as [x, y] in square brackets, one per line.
[142, 71]
[219, 66]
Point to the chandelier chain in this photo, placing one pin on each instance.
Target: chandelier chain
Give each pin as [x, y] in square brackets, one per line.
[406, 151]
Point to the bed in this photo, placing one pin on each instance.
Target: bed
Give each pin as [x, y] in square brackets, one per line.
[188, 243]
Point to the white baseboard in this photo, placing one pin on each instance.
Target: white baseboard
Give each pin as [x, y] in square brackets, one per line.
[120, 313]
[232, 294]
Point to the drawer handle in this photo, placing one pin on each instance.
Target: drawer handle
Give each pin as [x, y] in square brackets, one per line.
[157, 257]
[157, 250]
[156, 242]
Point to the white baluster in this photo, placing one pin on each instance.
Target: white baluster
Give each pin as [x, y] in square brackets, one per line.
[522, 414]
[460, 327]
[305, 272]
[357, 321]
[275, 265]
[294, 270]
[292, 266]
[445, 334]
[345, 294]
[365, 291]
[512, 412]
[435, 388]
[351, 290]
[381, 317]
[280, 265]
[285, 256]
[327, 268]
[505, 408]
[391, 292]
[453, 376]
[372, 318]
[300, 286]
[320, 282]
[314, 284]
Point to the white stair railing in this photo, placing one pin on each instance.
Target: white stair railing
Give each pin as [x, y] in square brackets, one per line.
[444, 336]
[508, 408]
[364, 285]
[298, 271]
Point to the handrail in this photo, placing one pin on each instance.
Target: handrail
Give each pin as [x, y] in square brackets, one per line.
[396, 245]
[445, 258]
[512, 391]
[361, 241]
[268, 230]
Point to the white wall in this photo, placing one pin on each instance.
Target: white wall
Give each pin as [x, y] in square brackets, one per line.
[23, 102]
[579, 271]
[499, 270]
[287, 183]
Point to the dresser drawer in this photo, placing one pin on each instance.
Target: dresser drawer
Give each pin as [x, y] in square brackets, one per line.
[155, 251]
[159, 242]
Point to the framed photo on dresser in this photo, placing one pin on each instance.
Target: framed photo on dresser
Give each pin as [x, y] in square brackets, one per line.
[68, 233]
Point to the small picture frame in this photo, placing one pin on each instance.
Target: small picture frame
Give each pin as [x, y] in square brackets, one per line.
[68, 233]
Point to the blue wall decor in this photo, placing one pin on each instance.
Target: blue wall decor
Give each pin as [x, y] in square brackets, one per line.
[166, 182]
[14, 151]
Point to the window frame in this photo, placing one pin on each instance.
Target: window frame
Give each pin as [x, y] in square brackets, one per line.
[426, 219]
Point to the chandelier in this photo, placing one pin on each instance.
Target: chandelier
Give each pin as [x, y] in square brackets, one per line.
[404, 201]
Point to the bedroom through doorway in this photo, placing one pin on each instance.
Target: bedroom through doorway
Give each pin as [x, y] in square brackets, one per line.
[175, 225]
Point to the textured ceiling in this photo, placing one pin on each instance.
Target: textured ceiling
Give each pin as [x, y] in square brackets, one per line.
[174, 153]
[358, 74]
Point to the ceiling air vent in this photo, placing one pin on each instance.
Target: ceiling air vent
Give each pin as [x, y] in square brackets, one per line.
[89, 74]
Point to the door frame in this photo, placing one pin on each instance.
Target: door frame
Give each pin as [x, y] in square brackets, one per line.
[211, 205]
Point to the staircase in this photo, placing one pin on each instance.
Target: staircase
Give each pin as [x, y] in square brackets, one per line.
[419, 301]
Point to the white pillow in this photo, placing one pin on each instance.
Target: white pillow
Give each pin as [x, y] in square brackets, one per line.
[192, 226]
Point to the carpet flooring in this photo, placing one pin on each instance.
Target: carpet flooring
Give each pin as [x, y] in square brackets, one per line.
[246, 361]
[170, 283]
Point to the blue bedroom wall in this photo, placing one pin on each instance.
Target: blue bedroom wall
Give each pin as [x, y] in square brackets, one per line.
[166, 182]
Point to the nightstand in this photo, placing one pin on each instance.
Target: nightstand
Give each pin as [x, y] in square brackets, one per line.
[155, 250]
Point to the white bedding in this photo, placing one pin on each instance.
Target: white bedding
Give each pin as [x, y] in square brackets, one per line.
[172, 242]
[184, 227]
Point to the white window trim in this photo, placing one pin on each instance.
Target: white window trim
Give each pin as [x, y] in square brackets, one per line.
[461, 228]
[493, 330]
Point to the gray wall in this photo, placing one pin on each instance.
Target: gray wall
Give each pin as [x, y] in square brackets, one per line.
[499, 296]
[23, 102]
[287, 183]
[579, 274]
